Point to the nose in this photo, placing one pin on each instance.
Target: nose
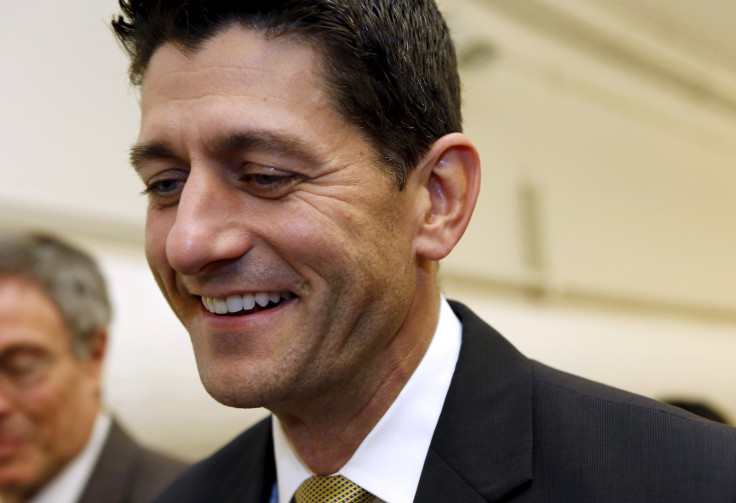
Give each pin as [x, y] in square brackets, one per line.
[209, 228]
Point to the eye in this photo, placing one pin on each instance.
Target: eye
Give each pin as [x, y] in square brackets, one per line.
[268, 182]
[166, 187]
[25, 367]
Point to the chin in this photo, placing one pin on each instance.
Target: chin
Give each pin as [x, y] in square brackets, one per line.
[238, 394]
[248, 383]
[15, 481]
[233, 400]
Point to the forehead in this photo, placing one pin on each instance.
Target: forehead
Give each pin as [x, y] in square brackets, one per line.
[235, 62]
[28, 316]
[238, 83]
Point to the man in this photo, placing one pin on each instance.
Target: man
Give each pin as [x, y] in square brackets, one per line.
[56, 444]
[305, 172]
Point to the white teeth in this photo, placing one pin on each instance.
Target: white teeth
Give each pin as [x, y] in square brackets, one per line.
[249, 302]
[262, 299]
[220, 306]
[237, 303]
[234, 303]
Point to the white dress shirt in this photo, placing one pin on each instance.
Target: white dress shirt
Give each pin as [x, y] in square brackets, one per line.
[68, 485]
[389, 461]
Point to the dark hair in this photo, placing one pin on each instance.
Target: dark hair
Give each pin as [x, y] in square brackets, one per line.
[68, 276]
[390, 65]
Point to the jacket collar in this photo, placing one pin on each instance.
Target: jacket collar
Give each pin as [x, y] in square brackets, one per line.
[253, 476]
[482, 447]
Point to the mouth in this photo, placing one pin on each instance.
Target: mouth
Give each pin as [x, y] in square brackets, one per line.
[9, 447]
[238, 305]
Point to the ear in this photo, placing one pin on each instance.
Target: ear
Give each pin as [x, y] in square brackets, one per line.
[450, 175]
[96, 356]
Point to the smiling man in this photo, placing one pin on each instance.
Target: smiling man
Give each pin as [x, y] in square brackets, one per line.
[57, 445]
[306, 171]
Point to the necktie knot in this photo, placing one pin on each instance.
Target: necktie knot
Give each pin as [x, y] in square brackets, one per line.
[335, 489]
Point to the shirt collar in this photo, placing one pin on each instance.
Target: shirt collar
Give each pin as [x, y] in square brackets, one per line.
[389, 461]
[68, 485]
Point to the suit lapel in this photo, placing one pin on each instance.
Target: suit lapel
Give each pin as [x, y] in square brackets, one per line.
[482, 447]
[253, 475]
[110, 479]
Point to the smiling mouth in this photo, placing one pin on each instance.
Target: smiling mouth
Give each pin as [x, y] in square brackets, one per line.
[245, 304]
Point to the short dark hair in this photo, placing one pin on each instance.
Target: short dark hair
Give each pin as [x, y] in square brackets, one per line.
[68, 276]
[390, 65]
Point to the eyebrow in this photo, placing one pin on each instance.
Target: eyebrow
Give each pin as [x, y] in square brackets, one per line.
[267, 141]
[146, 152]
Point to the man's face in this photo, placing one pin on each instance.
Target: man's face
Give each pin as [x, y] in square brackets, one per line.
[48, 397]
[259, 192]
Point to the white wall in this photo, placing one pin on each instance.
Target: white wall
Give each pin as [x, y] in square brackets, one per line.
[67, 117]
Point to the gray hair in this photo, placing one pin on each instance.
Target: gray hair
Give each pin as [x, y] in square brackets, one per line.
[70, 278]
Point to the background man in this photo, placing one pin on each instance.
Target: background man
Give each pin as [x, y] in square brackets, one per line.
[305, 172]
[56, 444]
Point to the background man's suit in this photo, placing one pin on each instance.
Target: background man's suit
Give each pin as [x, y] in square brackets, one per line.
[513, 430]
[128, 473]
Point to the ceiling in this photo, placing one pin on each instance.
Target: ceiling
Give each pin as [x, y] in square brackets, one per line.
[683, 44]
[706, 26]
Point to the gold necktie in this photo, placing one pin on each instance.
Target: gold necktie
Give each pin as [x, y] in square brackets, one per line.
[335, 489]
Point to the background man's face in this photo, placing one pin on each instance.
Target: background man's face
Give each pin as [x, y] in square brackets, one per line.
[47, 396]
[258, 190]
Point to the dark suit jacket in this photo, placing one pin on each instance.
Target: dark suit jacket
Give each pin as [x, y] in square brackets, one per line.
[128, 473]
[513, 430]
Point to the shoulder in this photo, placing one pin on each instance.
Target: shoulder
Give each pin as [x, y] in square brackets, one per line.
[564, 399]
[241, 467]
[587, 432]
[567, 400]
[133, 474]
[555, 393]
[591, 440]
[154, 472]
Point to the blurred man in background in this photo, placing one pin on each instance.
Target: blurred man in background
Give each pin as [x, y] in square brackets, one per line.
[57, 445]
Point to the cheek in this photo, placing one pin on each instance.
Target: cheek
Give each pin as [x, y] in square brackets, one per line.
[155, 248]
[353, 251]
[155, 243]
[49, 411]
[61, 411]
[318, 243]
